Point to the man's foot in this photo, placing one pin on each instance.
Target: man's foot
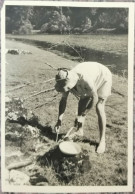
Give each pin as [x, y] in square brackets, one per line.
[101, 148]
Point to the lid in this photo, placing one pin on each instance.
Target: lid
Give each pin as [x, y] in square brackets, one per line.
[69, 148]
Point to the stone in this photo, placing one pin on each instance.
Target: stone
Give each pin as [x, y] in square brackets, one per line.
[12, 159]
[12, 136]
[33, 131]
[13, 51]
[17, 51]
[12, 151]
[37, 178]
[12, 116]
[19, 178]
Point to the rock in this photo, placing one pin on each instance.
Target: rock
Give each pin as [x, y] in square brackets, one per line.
[19, 178]
[12, 136]
[25, 52]
[12, 159]
[12, 151]
[38, 178]
[12, 116]
[17, 51]
[13, 51]
[33, 131]
[29, 115]
[14, 127]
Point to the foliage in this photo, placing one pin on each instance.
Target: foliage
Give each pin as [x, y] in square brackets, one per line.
[26, 28]
[65, 19]
[18, 19]
[56, 23]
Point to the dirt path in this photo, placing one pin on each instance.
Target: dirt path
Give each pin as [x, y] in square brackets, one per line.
[25, 68]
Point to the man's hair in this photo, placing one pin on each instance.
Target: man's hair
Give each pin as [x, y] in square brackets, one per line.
[61, 74]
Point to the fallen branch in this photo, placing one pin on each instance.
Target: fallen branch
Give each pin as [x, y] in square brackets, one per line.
[30, 84]
[19, 87]
[19, 164]
[51, 66]
[59, 68]
[74, 50]
[48, 80]
[44, 91]
[117, 92]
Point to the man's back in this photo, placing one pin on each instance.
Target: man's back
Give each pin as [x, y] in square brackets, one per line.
[93, 72]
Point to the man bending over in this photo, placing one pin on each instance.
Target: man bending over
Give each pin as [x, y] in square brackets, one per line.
[91, 83]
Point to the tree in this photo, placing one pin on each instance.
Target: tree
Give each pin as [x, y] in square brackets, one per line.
[18, 16]
[112, 18]
[57, 22]
[22, 19]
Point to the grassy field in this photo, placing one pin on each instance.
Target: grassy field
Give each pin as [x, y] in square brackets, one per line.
[118, 44]
[107, 169]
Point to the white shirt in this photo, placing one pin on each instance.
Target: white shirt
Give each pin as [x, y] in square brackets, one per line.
[94, 78]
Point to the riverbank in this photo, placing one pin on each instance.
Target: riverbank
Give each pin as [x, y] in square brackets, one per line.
[110, 50]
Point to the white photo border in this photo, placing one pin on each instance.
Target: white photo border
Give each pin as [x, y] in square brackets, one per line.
[73, 189]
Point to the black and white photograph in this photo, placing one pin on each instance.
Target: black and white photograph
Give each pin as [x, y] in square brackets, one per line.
[67, 96]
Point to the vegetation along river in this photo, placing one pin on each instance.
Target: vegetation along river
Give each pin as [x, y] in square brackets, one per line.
[116, 61]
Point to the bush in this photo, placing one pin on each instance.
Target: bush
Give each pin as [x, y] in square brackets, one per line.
[44, 27]
[26, 28]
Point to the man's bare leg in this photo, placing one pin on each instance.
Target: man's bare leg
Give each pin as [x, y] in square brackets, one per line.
[100, 109]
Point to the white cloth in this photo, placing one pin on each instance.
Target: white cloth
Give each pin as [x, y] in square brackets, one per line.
[95, 77]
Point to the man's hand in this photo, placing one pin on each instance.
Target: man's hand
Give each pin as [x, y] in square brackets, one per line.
[62, 107]
[58, 126]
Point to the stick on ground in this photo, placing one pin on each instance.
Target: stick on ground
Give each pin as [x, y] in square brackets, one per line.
[41, 92]
[30, 84]
[51, 66]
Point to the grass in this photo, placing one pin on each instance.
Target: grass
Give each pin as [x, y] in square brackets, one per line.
[109, 168]
[118, 44]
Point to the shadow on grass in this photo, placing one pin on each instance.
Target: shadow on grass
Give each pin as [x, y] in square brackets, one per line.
[47, 131]
[34, 122]
[84, 139]
[67, 167]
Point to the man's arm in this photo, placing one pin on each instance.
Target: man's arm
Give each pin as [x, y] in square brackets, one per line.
[62, 108]
[85, 104]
